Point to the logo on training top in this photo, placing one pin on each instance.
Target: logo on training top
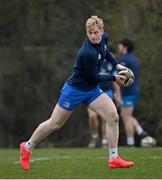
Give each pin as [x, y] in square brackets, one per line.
[99, 56]
[109, 67]
[105, 47]
[66, 104]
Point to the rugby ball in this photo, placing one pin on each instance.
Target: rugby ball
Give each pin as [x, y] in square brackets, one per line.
[148, 141]
[129, 75]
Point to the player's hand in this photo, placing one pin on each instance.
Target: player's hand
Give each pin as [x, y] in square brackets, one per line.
[119, 79]
[120, 67]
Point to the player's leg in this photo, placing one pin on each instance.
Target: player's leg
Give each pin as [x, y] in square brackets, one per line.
[130, 122]
[93, 125]
[55, 122]
[104, 142]
[106, 109]
[126, 114]
[138, 128]
[68, 101]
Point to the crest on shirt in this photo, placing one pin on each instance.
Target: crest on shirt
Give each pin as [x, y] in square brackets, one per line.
[105, 47]
[109, 67]
[99, 56]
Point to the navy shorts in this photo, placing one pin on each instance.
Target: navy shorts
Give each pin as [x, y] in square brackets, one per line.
[71, 97]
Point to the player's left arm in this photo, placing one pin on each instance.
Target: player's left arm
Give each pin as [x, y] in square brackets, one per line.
[108, 55]
[110, 58]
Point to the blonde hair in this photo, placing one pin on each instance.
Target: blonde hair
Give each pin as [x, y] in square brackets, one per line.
[94, 21]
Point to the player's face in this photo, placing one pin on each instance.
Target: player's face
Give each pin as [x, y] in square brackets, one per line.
[95, 35]
[121, 49]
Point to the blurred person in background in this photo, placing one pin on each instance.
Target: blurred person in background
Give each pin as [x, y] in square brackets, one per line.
[113, 91]
[130, 95]
[82, 87]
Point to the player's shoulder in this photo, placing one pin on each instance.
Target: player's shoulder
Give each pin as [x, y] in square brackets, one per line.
[134, 56]
[128, 59]
[131, 57]
[105, 37]
[87, 49]
[122, 60]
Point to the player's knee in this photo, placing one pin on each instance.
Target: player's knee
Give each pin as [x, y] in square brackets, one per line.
[54, 126]
[113, 117]
[93, 116]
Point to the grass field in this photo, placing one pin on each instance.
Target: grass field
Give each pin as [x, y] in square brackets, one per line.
[81, 163]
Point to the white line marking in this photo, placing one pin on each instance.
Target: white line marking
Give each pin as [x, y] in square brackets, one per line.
[36, 159]
[61, 157]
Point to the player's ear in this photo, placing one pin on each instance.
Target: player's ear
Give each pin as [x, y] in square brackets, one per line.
[102, 31]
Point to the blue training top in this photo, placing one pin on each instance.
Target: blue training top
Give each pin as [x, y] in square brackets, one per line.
[88, 62]
[129, 60]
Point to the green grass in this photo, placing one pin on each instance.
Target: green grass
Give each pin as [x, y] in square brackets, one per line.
[81, 163]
